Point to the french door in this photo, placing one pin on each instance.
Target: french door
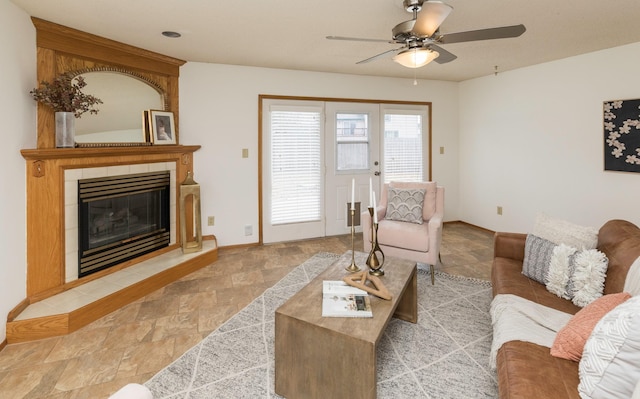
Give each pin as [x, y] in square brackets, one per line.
[352, 131]
[314, 152]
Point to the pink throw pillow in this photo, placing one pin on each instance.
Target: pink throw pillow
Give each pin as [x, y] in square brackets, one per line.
[571, 338]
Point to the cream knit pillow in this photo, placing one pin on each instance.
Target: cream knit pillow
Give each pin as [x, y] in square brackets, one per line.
[564, 232]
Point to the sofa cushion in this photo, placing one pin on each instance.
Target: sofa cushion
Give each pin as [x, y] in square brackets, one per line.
[537, 257]
[405, 205]
[507, 278]
[563, 232]
[570, 340]
[412, 236]
[525, 370]
[610, 364]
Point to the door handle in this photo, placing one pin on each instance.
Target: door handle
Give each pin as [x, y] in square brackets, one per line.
[376, 173]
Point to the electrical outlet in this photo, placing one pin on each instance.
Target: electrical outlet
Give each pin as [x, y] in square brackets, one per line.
[211, 220]
[499, 210]
[248, 230]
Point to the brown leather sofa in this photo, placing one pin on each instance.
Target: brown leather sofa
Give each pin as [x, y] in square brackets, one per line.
[527, 370]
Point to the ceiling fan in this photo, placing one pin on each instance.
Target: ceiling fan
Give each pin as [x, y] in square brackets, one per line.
[421, 39]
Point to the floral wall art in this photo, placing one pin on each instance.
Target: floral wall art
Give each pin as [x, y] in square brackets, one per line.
[622, 135]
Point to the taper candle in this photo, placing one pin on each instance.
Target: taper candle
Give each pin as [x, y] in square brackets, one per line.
[370, 192]
[375, 211]
[353, 194]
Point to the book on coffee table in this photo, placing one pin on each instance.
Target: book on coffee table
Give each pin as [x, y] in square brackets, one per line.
[342, 300]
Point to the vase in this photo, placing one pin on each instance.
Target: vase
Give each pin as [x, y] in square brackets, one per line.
[65, 129]
[373, 261]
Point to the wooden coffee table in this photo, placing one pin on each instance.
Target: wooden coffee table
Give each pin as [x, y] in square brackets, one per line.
[329, 357]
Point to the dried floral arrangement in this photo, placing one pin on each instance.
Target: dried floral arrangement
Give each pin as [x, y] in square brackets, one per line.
[65, 94]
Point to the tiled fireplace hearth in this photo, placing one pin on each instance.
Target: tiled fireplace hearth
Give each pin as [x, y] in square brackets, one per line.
[60, 301]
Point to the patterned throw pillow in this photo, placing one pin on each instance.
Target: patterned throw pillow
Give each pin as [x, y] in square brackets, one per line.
[570, 340]
[610, 364]
[405, 205]
[537, 257]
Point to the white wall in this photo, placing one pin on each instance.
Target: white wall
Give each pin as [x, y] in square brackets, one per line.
[219, 110]
[531, 140]
[18, 116]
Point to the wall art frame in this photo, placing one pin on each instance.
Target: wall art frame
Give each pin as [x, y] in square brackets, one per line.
[163, 129]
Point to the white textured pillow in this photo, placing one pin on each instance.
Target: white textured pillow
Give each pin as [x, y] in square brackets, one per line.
[577, 275]
[610, 364]
[632, 281]
[564, 232]
[636, 392]
[560, 271]
[588, 276]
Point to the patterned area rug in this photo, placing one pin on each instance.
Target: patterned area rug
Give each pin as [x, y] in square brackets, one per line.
[444, 355]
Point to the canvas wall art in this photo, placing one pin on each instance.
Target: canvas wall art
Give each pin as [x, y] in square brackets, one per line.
[622, 135]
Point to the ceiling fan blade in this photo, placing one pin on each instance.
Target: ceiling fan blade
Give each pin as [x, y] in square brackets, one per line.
[483, 34]
[444, 56]
[430, 18]
[358, 39]
[381, 55]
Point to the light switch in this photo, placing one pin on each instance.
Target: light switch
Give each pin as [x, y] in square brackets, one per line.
[245, 153]
[441, 150]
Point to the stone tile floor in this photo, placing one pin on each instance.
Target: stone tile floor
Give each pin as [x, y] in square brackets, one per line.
[134, 343]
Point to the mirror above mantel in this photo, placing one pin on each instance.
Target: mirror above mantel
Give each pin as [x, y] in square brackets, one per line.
[125, 95]
[138, 73]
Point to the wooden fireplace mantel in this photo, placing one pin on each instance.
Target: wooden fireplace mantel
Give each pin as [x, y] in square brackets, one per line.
[65, 153]
[46, 206]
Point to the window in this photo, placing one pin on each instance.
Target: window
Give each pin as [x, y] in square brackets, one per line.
[402, 158]
[295, 167]
[352, 141]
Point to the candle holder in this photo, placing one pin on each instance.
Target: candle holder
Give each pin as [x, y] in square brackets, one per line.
[352, 268]
[375, 265]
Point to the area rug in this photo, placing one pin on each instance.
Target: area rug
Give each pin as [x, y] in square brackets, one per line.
[444, 355]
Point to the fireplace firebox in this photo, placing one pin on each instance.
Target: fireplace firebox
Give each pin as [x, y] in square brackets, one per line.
[121, 218]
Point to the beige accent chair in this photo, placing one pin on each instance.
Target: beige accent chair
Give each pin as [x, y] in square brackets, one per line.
[407, 240]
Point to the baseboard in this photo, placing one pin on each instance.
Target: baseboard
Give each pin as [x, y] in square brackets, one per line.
[470, 225]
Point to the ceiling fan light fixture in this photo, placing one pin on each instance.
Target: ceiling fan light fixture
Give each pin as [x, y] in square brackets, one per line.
[415, 57]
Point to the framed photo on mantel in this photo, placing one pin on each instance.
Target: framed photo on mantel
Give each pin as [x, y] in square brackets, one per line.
[163, 130]
[622, 135]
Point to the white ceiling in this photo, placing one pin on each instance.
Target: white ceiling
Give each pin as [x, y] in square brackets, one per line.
[291, 34]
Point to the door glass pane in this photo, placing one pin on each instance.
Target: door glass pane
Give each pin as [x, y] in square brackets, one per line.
[295, 167]
[352, 142]
[402, 147]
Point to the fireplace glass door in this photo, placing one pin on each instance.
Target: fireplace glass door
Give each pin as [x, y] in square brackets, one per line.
[121, 218]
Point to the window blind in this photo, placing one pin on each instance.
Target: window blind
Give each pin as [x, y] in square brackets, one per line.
[402, 147]
[295, 167]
